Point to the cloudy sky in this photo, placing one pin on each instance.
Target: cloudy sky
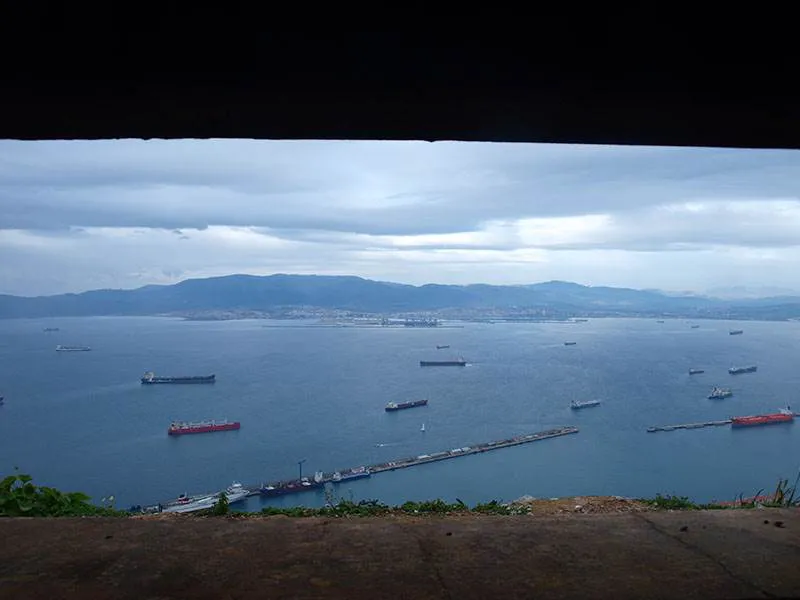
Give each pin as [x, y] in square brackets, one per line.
[121, 214]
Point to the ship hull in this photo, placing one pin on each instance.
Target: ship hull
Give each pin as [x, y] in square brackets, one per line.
[204, 429]
[742, 371]
[586, 405]
[406, 405]
[352, 477]
[289, 489]
[176, 380]
[442, 363]
[758, 420]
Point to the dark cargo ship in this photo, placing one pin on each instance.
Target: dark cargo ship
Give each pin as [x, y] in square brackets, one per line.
[443, 363]
[392, 406]
[740, 370]
[150, 378]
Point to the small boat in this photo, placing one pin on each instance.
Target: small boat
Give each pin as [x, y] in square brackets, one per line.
[718, 393]
[422, 428]
[50, 329]
[695, 326]
[696, 371]
[735, 332]
[61, 348]
[659, 321]
[577, 404]
[442, 347]
[570, 343]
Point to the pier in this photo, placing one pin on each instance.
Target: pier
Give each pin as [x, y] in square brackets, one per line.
[689, 426]
[294, 486]
[303, 484]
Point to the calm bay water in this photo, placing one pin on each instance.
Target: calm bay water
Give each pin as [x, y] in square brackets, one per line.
[82, 421]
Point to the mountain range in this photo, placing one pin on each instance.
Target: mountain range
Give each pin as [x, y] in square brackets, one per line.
[275, 293]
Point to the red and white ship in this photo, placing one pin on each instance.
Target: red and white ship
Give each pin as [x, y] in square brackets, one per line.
[785, 415]
[181, 428]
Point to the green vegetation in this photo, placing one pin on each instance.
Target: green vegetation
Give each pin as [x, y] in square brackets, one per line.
[784, 496]
[221, 507]
[21, 498]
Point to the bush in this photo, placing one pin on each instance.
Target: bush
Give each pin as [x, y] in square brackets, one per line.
[21, 498]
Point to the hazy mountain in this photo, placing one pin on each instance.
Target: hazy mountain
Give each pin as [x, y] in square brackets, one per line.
[741, 292]
[252, 293]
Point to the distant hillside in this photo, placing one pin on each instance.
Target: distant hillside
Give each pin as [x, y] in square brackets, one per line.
[265, 294]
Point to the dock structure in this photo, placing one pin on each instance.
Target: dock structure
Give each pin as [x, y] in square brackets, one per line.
[423, 459]
[301, 485]
[690, 426]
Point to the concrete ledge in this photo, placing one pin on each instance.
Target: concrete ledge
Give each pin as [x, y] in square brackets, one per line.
[691, 554]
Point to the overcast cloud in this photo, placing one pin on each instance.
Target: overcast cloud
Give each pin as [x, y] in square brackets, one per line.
[85, 215]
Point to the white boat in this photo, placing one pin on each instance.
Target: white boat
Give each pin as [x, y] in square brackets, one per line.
[576, 404]
[234, 493]
[422, 428]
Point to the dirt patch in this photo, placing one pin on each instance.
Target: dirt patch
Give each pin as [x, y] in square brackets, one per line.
[580, 505]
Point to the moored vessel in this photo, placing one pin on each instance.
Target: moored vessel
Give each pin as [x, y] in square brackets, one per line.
[291, 487]
[578, 404]
[443, 363]
[233, 493]
[181, 428]
[357, 473]
[740, 370]
[392, 406]
[151, 378]
[785, 415]
[718, 393]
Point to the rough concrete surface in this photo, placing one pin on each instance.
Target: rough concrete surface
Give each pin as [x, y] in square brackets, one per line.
[686, 554]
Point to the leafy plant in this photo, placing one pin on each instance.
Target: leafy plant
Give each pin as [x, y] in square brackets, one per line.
[19, 497]
[221, 507]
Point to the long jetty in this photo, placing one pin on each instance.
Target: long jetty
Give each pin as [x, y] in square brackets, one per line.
[297, 485]
[689, 426]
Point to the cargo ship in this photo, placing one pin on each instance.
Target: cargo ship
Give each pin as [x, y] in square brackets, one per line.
[578, 404]
[357, 473]
[392, 406]
[736, 332]
[696, 371]
[293, 487]
[180, 428]
[443, 363]
[61, 348]
[718, 393]
[740, 370]
[152, 378]
[442, 347]
[785, 415]
[570, 343]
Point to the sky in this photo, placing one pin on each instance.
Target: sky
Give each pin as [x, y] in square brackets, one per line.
[79, 215]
